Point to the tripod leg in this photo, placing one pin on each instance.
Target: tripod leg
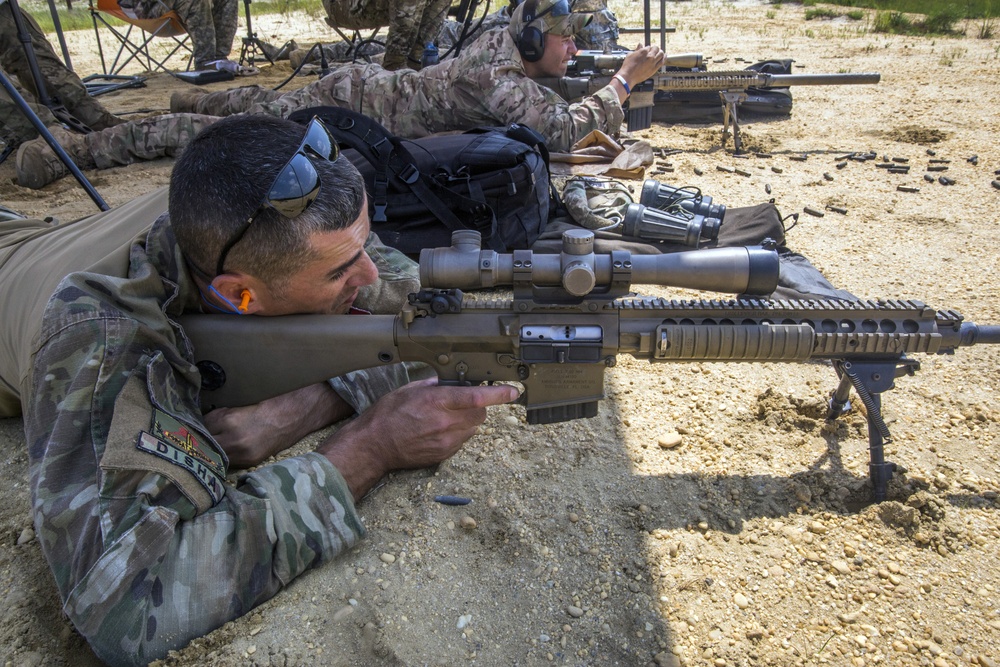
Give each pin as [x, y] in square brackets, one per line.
[251, 44]
[50, 140]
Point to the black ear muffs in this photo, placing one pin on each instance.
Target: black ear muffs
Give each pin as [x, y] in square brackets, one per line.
[531, 40]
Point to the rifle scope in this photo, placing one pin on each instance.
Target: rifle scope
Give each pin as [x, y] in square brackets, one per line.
[592, 60]
[579, 270]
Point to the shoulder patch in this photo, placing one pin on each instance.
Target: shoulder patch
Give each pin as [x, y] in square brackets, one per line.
[172, 441]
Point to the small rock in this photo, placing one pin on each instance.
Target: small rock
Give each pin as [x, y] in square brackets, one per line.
[669, 440]
[388, 559]
[467, 522]
[574, 611]
[741, 601]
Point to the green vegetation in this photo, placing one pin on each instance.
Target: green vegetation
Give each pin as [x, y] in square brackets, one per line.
[940, 17]
[971, 9]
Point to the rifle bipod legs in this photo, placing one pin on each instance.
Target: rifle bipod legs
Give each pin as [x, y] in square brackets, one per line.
[730, 100]
[869, 380]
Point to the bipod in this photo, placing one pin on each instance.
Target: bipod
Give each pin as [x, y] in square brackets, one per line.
[22, 104]
[730, 100]
[869, 379]
[251, 43]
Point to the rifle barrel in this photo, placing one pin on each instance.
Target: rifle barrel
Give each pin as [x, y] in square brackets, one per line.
[782, 80]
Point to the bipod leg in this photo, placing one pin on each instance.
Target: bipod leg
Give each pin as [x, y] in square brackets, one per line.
[869, 380]
[730, 100]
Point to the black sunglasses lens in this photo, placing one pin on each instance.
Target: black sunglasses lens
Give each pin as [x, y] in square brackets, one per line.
[295, 187]
[319, 142]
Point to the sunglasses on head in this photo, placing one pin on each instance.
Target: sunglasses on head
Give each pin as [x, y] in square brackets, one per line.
[296, 185]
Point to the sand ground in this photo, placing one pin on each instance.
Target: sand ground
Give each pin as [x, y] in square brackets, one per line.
[751, 542]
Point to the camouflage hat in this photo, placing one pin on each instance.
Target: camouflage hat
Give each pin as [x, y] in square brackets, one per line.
[549, 16]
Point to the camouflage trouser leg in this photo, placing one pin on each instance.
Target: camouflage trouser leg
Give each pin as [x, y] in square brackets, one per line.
[237, 100]
[148, 139]
[343, 87]
[412, 24]
[60, 82]
[15, 128]
[226, 16]
[196, 15]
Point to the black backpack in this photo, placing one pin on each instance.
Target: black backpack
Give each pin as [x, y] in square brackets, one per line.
[493, 180]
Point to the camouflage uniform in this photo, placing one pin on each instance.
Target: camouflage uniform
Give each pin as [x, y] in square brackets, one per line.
[485, 85]
[149, 543]
[60, 82]
[412, 24]
[212, 24]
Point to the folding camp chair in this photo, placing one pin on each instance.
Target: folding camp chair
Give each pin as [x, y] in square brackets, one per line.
[141, 48]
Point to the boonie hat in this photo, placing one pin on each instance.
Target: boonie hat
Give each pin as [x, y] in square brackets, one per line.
[550, 16]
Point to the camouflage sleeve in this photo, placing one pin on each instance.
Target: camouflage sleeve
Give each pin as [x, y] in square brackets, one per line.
[561, 123]
[149, 546]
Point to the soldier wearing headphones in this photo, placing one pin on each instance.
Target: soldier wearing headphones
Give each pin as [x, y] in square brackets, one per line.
[490, 83]
[544, 30]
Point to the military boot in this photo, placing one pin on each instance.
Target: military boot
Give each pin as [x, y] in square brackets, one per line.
[186, 101]
[38, 165]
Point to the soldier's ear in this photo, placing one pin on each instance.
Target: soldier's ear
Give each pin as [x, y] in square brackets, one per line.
[234, 293]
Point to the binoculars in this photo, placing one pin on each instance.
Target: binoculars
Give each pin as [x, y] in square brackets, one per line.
[668, 198]
[676, 215]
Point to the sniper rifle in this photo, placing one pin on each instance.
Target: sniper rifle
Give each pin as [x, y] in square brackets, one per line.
[590, 71]
[569, 318]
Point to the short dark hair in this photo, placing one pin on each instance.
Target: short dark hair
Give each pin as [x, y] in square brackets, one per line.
[223, 176]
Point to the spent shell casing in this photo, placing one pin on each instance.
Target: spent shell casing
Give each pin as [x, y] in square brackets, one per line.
[742, 172]
[928, 178]
[996, 184]
[901, 159]
[907, 188]
[767, 187]
[842, 164]
[899, 169]
[837, 209]
[827, 176]
[931, 151]
[777, 170]
[813, 212]
[452, 500]
[722, 167]
[798, 158]
[937, 167]
[944, 180]
[698, 171]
